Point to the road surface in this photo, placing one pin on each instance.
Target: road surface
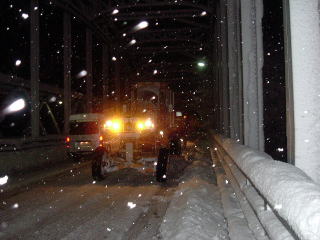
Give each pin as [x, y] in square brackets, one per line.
[126, 205]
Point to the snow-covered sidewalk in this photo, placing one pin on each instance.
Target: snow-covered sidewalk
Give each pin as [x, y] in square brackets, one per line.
[195, 211]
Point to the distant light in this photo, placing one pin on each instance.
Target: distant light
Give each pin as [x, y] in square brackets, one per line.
[82, 74]
[24, 15]
[53, 99]
[18, 62]
[141, 25]
[178, 114]
[201, 64]
[203, 13]
[133, 41]
[114, 59]
[16, 106]
[115, 11]
[60, 102]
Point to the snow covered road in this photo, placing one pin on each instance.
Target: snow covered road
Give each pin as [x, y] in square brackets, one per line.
[127, 205]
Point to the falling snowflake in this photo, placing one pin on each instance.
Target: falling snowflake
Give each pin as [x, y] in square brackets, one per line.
[4, 180]
[131, 205]
[16, 205]
[25, 15]
[18, 62]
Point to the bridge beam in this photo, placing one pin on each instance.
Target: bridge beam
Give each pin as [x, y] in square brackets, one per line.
[34, 68]
[252, 60]
[67, 69]
[89, 69]
[234, 69]
[224, 68]
[105, 72]
[303, 45]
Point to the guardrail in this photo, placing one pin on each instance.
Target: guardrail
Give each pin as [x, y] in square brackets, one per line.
[282, 197]
[18, 144]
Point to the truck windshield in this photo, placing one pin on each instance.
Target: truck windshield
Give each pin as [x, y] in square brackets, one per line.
[83, 128]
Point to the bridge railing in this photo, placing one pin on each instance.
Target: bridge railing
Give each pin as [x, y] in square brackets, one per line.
[16, 144]
[282, 198]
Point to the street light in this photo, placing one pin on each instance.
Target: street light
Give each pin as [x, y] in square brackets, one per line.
[201, 64]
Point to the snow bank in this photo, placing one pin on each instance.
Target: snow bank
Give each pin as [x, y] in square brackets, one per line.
[195, 211]
[289, 191]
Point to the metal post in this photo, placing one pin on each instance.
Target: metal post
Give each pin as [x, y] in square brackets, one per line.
[252, 59]
[117, 86]
[34, 68]
[304, 89]
[67, 69]
[105, 73]
[89, 69]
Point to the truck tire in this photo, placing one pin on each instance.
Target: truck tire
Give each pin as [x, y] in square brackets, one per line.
[161, 169]
[98, 164]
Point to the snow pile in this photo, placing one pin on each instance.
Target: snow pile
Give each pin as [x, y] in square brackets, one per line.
[195, 211]
[289, 191]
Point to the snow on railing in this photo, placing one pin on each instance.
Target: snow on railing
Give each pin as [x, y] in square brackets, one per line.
[292, 199]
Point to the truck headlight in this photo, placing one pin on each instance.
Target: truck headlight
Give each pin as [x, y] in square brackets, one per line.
[114, 125]
[143, 125]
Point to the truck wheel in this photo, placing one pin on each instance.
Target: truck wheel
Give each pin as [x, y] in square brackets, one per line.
[99, 164]
[161, 169]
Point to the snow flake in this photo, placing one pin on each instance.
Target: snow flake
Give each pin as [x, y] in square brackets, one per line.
[108, 229]
[4, 180]
[131, 205]
[115, 11]
[203, 13]
[25, 15]
[15, 206]
[133, 41]
[114, 59]
[280, 149]
[278, 206]
[18, 62]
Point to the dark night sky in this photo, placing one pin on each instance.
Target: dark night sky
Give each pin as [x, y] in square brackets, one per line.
[14, 39]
